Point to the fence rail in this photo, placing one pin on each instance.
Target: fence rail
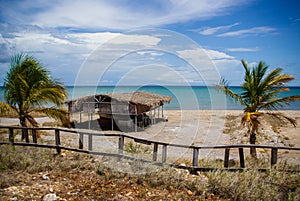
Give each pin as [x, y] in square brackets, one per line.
[121, 138]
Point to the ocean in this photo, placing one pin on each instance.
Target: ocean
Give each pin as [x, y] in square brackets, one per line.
[183, 97]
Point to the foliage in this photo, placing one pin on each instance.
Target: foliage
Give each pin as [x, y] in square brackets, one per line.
[260, 91]
[28, 87]
[135, 148]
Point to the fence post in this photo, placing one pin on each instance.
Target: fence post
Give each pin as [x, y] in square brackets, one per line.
[25, 135]
[242, 158]
[90, 146]
[155, 148]
[34, 138]
[226, 158]
[57, 141]
[164, 153]
[121, 144]
[11, 136]
[195, 156]
[274, 152]
[80, 140]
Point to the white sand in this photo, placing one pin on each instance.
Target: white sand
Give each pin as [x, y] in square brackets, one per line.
[199, 127]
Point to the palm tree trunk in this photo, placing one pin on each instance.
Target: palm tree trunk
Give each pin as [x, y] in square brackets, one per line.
[24, 131]
[252, 141]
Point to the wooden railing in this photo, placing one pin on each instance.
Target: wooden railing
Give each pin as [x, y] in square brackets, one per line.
[120, 152]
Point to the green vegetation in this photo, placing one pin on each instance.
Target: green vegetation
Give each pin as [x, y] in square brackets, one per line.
[74, 176]
[135, 148]
[260, 91]
[28, 88]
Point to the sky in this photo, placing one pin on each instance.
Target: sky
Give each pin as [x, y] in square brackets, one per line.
[155, 42]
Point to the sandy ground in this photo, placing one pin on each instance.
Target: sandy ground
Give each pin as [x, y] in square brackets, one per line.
[204, 127]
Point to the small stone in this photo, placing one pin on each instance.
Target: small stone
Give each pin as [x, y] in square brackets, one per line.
[50, 197]
[189, 192]
[45, 177]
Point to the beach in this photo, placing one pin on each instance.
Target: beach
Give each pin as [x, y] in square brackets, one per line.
[205, 128]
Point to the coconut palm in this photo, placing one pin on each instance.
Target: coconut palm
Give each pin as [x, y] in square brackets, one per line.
[28, 88]
[260, 91]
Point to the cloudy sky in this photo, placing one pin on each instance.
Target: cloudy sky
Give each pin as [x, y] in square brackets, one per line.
[168, 42]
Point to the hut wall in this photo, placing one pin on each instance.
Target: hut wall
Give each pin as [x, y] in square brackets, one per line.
[88, 107]
[116, 108]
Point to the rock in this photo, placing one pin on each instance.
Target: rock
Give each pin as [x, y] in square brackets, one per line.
[50, 197]
[45, 177]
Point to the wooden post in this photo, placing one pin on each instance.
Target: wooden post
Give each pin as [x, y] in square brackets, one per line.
[226, 158]
[90, 145]
[195, 156]
[80, 117]
[25, 134]
[164, 153]
[11, 137]
[154, 116]
[136, 119]
[57, 141]
[274, 152]
[121, 144]
[80, 141]
[34, 138]
[89, 119]
[242, 159]
[155, 148]
[143, 125]
[135, 125]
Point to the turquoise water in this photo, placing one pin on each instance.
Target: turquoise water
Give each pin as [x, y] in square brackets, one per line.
[183, 97]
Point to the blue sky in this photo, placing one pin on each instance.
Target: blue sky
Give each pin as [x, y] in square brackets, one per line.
[166, 42]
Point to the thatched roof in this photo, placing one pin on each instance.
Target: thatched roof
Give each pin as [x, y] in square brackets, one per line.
[142, 98]
[149, 100]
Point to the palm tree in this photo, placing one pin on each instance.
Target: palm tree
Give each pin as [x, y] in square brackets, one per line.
[28, 87]
[260, 91]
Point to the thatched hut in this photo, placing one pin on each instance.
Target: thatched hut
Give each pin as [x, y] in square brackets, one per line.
[123, 111]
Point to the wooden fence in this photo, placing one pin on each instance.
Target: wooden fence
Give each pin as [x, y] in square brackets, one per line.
[120, 152]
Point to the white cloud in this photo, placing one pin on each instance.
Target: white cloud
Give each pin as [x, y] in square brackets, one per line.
[217, 55]
[116, 14]
[213, 30]
[204, 54]
[134, 39]
[248, 32]
[244, 49]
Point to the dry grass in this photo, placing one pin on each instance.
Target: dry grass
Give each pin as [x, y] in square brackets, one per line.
[74, 176]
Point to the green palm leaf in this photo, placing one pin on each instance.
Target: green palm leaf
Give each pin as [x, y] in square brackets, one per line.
[28, 86]
[261, 91]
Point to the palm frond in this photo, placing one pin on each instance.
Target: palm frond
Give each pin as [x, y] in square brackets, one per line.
[282, 117]
[5, 109]
[277, 103]
[31, 121]
[223, 86]
[250, 119]
[56, 113]
[28, 85]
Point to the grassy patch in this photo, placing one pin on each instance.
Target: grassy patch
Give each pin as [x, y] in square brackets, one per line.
[74, 176]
